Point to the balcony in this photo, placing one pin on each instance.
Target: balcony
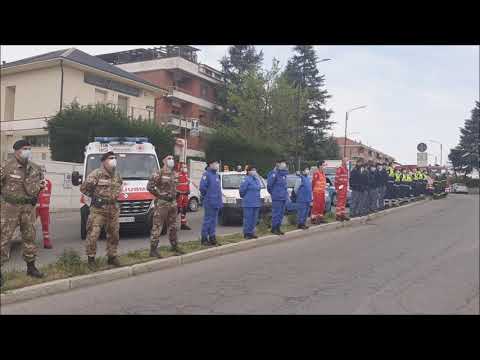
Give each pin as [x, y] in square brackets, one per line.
[186, 95]
[184, 122]
[211, 72]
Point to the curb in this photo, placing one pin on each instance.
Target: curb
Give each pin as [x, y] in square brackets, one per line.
[58, 286]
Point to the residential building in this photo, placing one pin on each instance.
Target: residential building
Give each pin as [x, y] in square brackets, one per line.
[356, 150]
[34, 89]
[191, 102]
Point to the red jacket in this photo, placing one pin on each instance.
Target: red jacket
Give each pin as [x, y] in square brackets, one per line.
[341, 178]
[44, 195]
[183, 186]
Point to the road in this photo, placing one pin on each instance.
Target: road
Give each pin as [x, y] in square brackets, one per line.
[420, 260]
[65, 233]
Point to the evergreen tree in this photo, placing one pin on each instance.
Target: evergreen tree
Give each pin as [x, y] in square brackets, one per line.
[302, 72]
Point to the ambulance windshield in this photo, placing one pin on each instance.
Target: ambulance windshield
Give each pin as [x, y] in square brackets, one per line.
[130, 166]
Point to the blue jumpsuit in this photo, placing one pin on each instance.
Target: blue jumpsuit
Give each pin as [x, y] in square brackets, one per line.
[211, 191]
[304, 199]
[250, 194]
[277, 187]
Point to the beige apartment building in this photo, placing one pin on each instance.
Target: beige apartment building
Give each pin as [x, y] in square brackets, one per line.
[34, 89]
[356, 150]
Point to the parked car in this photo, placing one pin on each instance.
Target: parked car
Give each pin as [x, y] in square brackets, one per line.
[459, 188]
[232, 202]
[291, 206]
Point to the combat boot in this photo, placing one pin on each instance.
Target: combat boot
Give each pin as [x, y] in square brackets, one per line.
[154, 252]
[177, 250]
[204, 241]
[92, 265]
[339, 218]
[113, 260]
[185, 227]
[346, 218]
[33, 271]
[213, 240]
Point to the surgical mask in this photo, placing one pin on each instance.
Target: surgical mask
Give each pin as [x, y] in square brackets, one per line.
[170, 163]
[362, 168]
[26, 154]
[372, 168]
[306, 172]
[215, 166]
[252, 173]
[282, 166]
[184, 170]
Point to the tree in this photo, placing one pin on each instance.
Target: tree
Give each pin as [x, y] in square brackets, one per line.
[71, 129]
[466, 154]
[240, 61]
[302, 72]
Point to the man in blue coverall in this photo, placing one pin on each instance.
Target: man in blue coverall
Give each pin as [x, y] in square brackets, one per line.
[277, 187]
[211, 191]
[303, 190]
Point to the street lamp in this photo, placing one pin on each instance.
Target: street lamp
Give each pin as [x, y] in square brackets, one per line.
[441, 150]
[346, 121]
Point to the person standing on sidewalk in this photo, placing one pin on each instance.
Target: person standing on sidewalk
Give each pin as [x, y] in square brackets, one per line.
[383, 185]
[277, 187]
[341, 189]
[163, 185]
[357, 190]
[319, 183]
[364, 181]
[303, 190]
[211, 191]
[372, 187]
[250, 194]
[103, 186]
[43, 210]
[20, 183]
[183, 190]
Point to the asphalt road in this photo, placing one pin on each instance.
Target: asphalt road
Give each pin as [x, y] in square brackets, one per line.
[65, 233]
[421, 260]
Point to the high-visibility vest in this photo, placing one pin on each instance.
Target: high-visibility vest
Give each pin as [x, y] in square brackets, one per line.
[398, 176]
[391, 171]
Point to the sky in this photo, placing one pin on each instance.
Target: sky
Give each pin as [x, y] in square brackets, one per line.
[413, 94]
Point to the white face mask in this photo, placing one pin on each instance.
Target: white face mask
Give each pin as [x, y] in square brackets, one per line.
[306, 172]
[215, 166]
[253, 173]
[282, 166]
[184, 170]
[170, 163]
[26, 154]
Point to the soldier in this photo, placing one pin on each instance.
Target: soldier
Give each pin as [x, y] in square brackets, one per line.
[103, 186]
[20, 183]
[163, 186]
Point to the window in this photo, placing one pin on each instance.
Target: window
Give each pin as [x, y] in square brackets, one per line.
[37, 140]
[203, 90]
[100, 96]
[9, 103]
[123, 104]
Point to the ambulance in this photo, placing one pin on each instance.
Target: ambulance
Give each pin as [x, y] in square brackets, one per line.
[136, 162]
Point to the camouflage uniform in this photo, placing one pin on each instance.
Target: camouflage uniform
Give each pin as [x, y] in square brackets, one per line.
[19, 188]
[103, 185]
[163, 185]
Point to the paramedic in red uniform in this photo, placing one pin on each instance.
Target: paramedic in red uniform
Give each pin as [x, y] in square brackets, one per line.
[341, 185]
[183, 190]
[43, 211]
[319, 183]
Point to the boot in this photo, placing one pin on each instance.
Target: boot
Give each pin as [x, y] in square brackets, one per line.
[213, 240]
[154, 252]
[346, 218]
[177, 250]
[253, 236]
[113, 260]
[339, 218]
[47, 244]
[204, 241]
[33, 271]
[321, 221]
[92, 265]
[185, 227]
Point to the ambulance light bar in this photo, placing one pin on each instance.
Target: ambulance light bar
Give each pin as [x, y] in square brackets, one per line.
[108, 139]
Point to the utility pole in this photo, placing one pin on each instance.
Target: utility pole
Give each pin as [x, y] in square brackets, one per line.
[346, 122]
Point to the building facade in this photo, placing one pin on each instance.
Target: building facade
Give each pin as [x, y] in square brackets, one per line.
[190, 104]
[33, 90]
[357, 150]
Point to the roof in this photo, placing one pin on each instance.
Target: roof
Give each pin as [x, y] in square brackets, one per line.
[83, 58]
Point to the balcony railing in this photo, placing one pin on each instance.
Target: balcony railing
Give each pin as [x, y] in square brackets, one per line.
[171, 89]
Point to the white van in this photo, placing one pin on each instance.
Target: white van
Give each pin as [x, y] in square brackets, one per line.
[232, 202]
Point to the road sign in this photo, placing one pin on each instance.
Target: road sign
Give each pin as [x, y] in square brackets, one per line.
[422, 147]
[422, 159]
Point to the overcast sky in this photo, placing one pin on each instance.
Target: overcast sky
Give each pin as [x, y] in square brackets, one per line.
[413, 93]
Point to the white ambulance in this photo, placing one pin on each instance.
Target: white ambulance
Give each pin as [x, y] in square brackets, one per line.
[136, 162]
